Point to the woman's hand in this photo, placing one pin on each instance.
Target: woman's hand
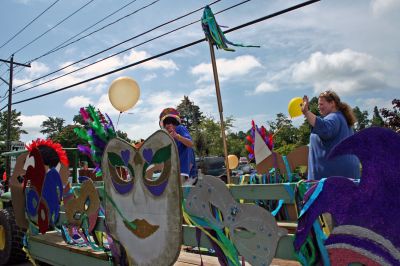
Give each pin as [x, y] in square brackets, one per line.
[305, 106]
[305, 109]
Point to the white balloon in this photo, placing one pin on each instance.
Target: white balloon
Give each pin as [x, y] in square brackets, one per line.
[124, 92]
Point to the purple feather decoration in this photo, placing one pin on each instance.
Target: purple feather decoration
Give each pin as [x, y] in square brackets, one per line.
[85, 150]
[110, 123]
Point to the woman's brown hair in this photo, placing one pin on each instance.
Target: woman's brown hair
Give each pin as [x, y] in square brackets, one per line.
[330, 96]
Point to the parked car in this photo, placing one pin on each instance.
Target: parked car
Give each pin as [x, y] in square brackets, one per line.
[212, 165]
[243, 160]
[243, 169]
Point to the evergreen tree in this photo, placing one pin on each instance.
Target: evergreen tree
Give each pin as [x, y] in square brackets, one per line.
[284, 131]
[52, 127]
[362, 119]
[377, 120]
[16, 124]
[190, 114]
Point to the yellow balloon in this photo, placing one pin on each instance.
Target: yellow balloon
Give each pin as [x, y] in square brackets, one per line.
[294, 107]
[123, 93]
[233, 161]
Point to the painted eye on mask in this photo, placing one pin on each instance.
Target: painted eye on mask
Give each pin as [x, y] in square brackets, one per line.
[122, 173]
[156, 169]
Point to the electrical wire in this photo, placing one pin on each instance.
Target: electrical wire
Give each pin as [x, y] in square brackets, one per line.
[116, 45]
[41, 35]
[27, 25]
[61, 46]
[169, 51]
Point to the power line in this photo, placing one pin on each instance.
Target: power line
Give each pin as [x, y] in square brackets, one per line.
[61, 46]
[41, 35]
[27, 25]
[170, 51]
[118, 44]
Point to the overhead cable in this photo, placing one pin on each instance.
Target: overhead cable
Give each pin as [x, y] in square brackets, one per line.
[63, 45]
[27, 25]
[41, 35]
[168, 52]
[118, 44]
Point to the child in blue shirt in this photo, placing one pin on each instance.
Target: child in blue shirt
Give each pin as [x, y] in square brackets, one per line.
[171, 122]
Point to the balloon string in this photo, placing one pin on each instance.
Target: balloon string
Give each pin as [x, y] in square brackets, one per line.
[116, 127]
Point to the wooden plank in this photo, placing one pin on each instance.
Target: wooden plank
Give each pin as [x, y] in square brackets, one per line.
[51, 248]
[54, 239]
[190, 259]
[263, 191]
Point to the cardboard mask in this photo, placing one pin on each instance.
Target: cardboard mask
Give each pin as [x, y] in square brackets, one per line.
[253, 230]
[143, 188]
[87, 202]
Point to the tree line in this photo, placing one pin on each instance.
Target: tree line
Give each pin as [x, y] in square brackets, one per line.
[206, 130]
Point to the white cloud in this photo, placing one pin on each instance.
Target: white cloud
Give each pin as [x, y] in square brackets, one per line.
[369, 104]
[32, 125]
[263, 87]
[227, 68]
[346, 72]
[99, 68]
[105, 106]
[37, 69]
[135, 56]
[77, 102]
[381, 7]
[149, 77]
[243, 123]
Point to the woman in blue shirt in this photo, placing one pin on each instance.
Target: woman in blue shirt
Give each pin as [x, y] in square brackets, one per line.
[171, 122]
[334, 125]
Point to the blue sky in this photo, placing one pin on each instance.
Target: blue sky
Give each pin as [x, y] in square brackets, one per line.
[351, 47]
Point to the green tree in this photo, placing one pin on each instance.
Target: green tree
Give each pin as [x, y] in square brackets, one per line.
[210, 131]
[52, 127]
[190, 113]
[123, 135]
[16, 124]
[284, 131]
[377, 120]
[362, 119]
[78, 119]
[392, 117]
[236, 143]
[67, 137]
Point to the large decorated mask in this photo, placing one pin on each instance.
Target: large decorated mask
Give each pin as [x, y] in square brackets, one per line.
[143, 201]
[43, 184]
[253, 230]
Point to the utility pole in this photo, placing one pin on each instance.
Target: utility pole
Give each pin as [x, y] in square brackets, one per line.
[10, 84]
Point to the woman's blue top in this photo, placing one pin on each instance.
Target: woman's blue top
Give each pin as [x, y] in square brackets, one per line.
[326, 133]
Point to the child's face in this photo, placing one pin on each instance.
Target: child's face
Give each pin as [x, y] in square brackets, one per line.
[170, 127]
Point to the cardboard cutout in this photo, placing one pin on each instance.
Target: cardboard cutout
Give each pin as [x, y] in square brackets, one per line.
[43, 191]
[298, 157]
[253, 230]
[17, 191]
[365, 215]
[87, 203]
[143, 206]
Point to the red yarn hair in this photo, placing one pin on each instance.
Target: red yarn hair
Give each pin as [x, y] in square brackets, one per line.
[62, 155]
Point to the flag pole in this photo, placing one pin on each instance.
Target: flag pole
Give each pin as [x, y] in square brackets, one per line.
[220, 109]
